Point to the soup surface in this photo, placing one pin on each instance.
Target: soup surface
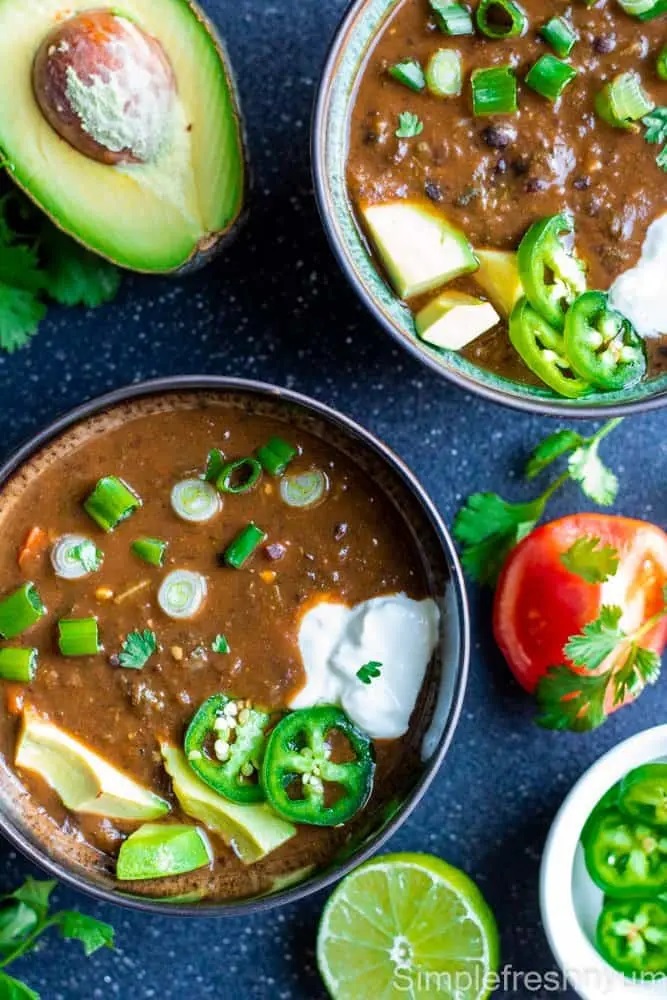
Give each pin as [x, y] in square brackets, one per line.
[352, 546]
[492, 176]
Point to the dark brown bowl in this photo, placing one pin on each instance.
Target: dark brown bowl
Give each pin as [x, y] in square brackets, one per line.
[437, 714]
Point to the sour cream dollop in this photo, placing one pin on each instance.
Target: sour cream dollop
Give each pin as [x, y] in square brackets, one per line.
[639, 294]
[335, 641]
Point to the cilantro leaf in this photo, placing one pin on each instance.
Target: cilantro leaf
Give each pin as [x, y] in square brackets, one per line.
[20, 315]
[19, 268]
[369, 671]
[569, 701]
[13, 989]
[661, 159]
[488, 527]
[656, 125]
[596, 480]
[36, 893]
[597, 641]
[409, 125]
[73, 275]
[592, 561]
[88, 554]
[551, 449]
[17, 920]
[220, 644]
[137, 649]
[93, 934]
[641, 667]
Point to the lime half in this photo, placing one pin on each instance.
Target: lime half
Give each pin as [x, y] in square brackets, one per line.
[407, 925]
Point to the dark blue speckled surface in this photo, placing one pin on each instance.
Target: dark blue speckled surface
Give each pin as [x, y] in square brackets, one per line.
[276, 308]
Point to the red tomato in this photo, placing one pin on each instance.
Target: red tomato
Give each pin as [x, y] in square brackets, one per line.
[539, 604]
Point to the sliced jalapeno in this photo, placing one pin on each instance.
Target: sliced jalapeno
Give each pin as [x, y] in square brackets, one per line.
[608, 802]
[632, 936]
[626, 859]
[643, 795]
[602, 345]
[224, 745]
[301, 780]
[542, 256]
[543, 350]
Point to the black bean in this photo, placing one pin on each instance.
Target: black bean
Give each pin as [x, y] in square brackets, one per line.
[340, 531]
[497, 138]
[501, 166]
[535, 184]
[604, 44]
[433, 191]
[521, 165]
[582, 183]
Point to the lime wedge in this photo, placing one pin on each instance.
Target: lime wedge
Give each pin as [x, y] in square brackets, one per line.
[408, 925]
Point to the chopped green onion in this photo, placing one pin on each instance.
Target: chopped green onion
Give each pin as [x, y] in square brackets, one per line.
[215, 463]
[111, 502]
[78, 637]
[151, 550]
[182, 594]
[18, 665]
[494, 91]
[560, 35]
[276, 455]
[501, 19]
[409, 73]
[661, 66]
[242, 547]
[549, 77]
[75, 556]
[19, 610]
[623, 101]
[645, 10]
[305, 489]
[195, 500]
[239, 477]
[452, 18]
[444, 73]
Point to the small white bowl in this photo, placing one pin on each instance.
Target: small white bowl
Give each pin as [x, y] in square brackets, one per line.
[569, 900]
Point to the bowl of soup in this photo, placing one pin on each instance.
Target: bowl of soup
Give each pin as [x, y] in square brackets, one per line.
[234, 645]
[492, 178]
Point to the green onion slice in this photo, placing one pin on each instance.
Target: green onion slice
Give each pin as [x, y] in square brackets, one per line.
[151, 550]
[182, 594]
[560, 35]
[661, 66]
[195, 500]
[239, 477]
[111, 502]
[494, 91]
[20, 610]
[501, 19]
[18, 665]
[276, 455]
[242, 547]
[444, 73]
[306, 489]
[549, 77]
[452, 18]
[409, 73]
[623, 101]
[215, 463]
[78, 637]
[75, 556]
[645, 10]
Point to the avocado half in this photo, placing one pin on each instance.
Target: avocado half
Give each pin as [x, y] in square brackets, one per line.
[169, 215]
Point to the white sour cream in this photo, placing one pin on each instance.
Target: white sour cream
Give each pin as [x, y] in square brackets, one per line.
[639, 294]
[336, 640]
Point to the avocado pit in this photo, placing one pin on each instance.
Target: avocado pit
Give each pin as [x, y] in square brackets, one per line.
[107, 88]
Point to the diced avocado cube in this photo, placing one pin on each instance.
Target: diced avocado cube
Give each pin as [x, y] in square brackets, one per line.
[252, 831]
[158, 850]
[498, 276]
[85, 782]
[454, 320]
[419, 248]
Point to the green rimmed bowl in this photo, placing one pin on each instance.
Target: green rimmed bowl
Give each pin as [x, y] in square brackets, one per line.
[347, 55]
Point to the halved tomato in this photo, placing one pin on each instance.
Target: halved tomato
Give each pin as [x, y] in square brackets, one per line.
[539, 604]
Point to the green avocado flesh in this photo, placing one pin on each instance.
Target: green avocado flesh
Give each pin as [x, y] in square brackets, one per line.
[158, 850]
[149, 217]
[85, 782]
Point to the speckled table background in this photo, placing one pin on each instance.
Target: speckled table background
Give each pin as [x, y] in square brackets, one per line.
[276, 308]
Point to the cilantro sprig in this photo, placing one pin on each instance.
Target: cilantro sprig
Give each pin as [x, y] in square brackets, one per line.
[579, 701]
[39, 264]
[137, 650]
[588, 558]
[488, 527]
[656, 133]
[369, 671]
[409, 125]
[220, 644]
[25, 915]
